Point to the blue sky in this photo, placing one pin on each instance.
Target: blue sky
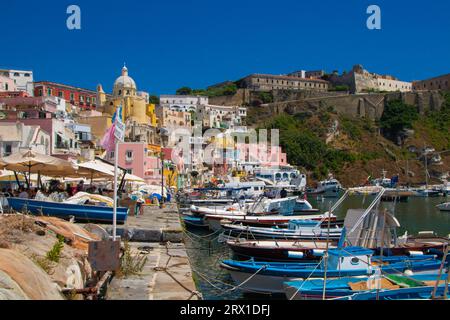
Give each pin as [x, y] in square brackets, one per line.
[168, 44]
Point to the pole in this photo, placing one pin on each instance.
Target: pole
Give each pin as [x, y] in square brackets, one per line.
[326, 256]
[161, 204]
[116, 159]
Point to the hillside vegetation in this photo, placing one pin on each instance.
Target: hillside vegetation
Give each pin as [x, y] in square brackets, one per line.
[358, 148]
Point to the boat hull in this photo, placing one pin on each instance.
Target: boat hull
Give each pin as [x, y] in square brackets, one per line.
[81, 213]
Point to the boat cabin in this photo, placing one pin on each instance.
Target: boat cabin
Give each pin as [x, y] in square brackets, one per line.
[303, 224]
[349, 258]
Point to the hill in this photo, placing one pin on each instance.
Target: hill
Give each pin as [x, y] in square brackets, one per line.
[323, 141]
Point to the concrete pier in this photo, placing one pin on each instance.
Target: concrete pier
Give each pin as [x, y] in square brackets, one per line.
[166, 274]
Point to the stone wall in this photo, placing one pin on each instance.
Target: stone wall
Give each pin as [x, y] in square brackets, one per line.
[359, 105]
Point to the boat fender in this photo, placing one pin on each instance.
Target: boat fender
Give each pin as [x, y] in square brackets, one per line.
[318, 252]
[415, 253]
[408, 273]
[295, 254]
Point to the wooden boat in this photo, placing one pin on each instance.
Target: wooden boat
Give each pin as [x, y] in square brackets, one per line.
[295, 250]
[214, 220]
[194, 221]
[388, 287]
[279, 250]
[82, 213]
[297, 230]
[268, 277]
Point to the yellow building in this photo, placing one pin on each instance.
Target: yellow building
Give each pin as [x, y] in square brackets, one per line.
[139, 115]
[135, 107]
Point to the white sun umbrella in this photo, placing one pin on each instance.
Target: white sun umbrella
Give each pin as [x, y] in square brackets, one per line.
[34, 162]
[95, 170]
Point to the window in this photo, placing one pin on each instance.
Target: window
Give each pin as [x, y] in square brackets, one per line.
[81, 98]
[60, 94]
[129, 171]
[16, 74]
[111, 154]
[49, 92]
[8, 149]
[129, 155]
[27, 75]
[40, 92]
[354, 261]
[72, 97]
[6, 86]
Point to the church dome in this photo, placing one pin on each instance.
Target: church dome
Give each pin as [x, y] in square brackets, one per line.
[124, 83]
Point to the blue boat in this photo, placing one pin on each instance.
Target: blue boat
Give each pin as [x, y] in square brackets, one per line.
[390, 287]
[268, 277]
[194, 221]
[81, 213]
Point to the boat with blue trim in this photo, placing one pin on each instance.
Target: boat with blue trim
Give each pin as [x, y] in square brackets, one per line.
[81, 212]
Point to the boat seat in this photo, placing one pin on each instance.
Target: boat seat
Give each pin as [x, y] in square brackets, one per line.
[433, 283]
[362, 286]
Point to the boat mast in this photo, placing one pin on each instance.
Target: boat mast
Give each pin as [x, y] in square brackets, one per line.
[326, 255]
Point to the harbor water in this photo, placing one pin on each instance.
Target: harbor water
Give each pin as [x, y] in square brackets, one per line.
[418, 214]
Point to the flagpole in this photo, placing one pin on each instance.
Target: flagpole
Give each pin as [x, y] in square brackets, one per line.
[116, 157]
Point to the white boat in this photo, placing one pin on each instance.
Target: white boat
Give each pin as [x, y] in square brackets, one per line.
[215, 220]
[297, 230]
[303, 206]
[444, 206]
[329, 188]
[261, 206]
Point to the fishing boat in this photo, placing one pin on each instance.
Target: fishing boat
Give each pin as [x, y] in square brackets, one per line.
[385, 287]
[302, 206]
[297, 229]
[215, 220]
[295, 250]
[194, 221]
[268, 277]
[329, 188]
[81, 212]
[444, 206]
[262, 206]
[279, 250]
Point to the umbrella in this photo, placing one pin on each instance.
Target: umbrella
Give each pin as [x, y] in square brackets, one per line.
[95, 170]
[33, 162]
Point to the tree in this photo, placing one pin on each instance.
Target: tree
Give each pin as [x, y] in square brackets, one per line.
[398, 116]
[184, 91]
[154, 99]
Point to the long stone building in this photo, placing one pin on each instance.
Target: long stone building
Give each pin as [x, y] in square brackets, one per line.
[269, 82]
[359, 80]
[436, 83]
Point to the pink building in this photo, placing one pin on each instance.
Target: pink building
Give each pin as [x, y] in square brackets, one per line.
[7, 84]
[137, 159]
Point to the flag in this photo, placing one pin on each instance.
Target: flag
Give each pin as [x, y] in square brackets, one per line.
[108, 140]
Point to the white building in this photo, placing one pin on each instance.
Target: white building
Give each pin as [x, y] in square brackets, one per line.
[23, 79]
[223, 117]
[182, 102]
[17, 136]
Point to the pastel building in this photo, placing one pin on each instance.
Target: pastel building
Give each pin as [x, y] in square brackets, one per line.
[138, 159]
[7, 84]
[41, 112]
[137, 112]
[82, 98]
[23, 79]
[183, 102]
[15, 137]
